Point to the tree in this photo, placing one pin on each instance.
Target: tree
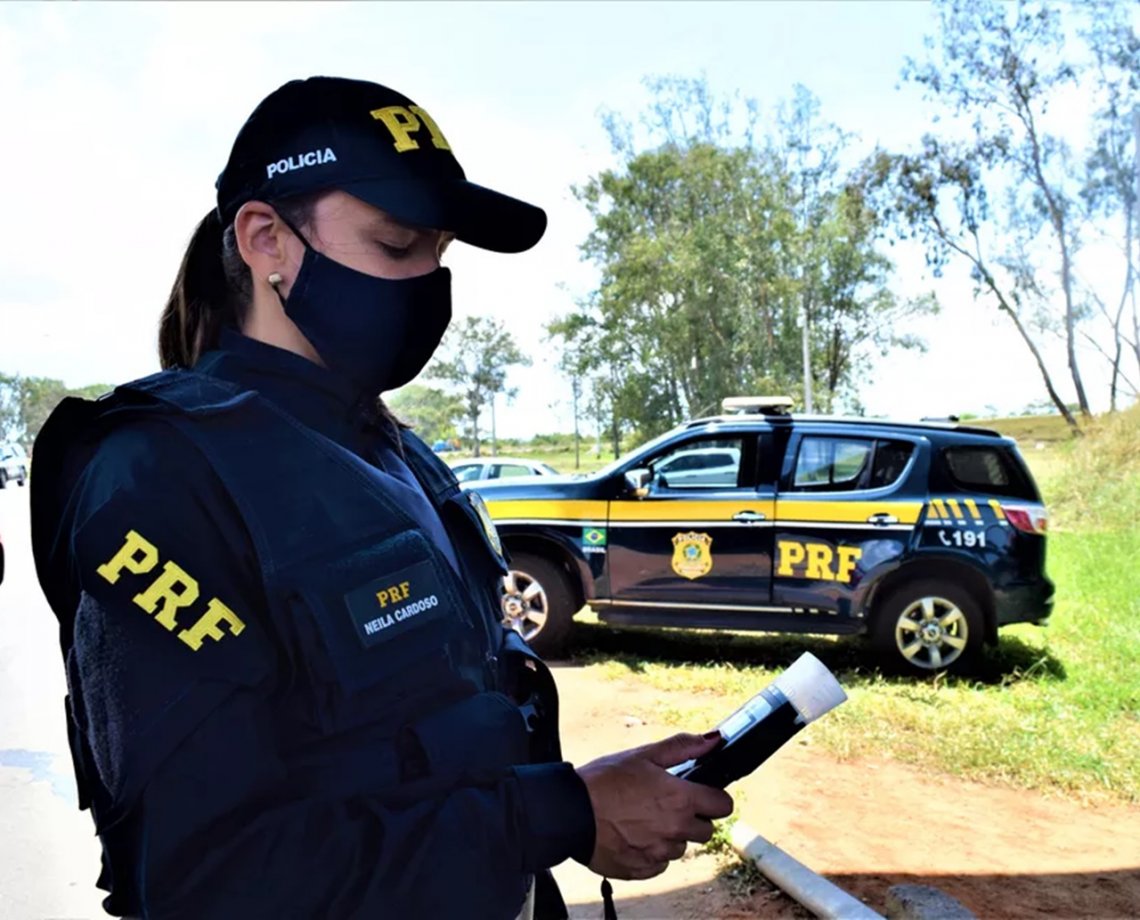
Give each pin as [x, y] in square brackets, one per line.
[1113, 176]
[26, 403]
[710, 250]
[9, 407]
[431, 413]
[993, 188]
[475, 358]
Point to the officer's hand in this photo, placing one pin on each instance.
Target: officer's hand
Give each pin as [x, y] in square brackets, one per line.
[645, 815]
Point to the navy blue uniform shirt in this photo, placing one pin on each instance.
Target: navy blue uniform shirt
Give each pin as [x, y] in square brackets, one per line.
[189, 747]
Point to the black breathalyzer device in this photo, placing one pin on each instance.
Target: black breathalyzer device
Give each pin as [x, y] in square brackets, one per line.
[752, 734]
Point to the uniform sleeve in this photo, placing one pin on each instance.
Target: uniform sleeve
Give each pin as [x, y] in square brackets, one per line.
[176, 668]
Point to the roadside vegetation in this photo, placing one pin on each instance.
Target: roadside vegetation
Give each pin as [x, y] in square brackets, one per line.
[1053, 708]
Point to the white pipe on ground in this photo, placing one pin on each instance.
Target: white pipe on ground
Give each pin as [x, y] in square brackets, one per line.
[811, 889]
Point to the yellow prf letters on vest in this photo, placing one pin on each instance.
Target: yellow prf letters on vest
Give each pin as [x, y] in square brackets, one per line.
[394, 593]
[171, 591]
[402, 123]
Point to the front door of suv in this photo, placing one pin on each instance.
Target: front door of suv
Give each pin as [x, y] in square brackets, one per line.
[702, 533]
[844, 509]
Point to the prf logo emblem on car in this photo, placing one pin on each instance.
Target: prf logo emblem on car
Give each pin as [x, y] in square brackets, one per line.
[692, 556]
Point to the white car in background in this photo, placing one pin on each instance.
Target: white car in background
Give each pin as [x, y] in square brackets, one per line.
[13, 464]
[499, 468]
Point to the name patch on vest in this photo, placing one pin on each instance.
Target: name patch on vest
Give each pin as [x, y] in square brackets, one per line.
[395, 604]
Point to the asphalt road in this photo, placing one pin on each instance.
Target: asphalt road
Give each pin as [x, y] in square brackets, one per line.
[49, 856]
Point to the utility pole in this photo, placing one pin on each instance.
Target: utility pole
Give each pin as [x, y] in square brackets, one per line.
[575, 389]
[494, 437]
[807, 357]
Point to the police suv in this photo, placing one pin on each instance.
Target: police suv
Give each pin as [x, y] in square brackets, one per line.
[927, 537]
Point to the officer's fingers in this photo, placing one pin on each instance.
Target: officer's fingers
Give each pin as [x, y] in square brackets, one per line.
[709, 802]
[679, 748]
[698, 830]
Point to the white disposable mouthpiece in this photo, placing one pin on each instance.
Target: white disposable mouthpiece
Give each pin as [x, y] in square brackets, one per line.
[810, 687]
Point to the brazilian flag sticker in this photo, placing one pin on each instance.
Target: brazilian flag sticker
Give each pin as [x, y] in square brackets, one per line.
[594, 536]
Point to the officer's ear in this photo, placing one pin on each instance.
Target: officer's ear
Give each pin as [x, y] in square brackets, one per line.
[266, 244]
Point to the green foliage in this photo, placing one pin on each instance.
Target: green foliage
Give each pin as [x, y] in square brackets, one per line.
[712, 254]
[26, 403]
[432, 413]
[1098, 488]
[474, 359]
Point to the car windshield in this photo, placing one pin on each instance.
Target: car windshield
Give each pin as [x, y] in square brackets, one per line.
[465, 472]
[646, 448]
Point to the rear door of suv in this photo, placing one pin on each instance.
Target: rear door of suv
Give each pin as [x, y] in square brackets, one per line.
[849, 501]
[984, 505]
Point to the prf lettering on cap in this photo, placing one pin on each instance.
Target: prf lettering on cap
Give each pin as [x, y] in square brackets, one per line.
[171, 591]
[403, 122]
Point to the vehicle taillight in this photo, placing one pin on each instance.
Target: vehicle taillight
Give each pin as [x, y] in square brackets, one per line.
[1027, 518]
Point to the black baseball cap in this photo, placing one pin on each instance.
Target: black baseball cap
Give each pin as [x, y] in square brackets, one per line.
[376, 144]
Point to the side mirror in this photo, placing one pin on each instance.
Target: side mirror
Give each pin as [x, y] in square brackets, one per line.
[638, 482]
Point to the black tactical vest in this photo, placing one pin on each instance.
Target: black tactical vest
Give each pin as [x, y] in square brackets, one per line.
[429, 689]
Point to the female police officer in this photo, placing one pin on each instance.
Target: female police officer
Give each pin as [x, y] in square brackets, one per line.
[290, 691]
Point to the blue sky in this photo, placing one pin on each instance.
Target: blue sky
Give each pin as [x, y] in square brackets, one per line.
[117, 118]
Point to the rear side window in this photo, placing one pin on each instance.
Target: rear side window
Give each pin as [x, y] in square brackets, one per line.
[989, 470]
[836, 464]
[510, 469]
[831, 463]
[891, 458]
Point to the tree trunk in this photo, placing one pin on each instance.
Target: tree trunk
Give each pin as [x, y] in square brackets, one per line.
[1004, 305]
[474, 419]
[1057, 219]
[1071, 324]
[1053, 394]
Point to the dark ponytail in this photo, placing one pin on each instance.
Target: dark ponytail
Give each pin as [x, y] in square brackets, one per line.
[201, 300]
[213, 287]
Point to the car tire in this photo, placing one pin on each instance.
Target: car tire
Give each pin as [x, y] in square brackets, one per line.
[539, 603]
[23, 478]
[3, 479]
[927, 626]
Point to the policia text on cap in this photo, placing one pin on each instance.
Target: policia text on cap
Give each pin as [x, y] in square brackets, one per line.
[291, 694]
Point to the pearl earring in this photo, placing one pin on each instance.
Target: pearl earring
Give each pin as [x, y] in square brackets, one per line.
[274, 279]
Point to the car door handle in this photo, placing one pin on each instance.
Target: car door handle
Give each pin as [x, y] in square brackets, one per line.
[749, 517]
[882, 519]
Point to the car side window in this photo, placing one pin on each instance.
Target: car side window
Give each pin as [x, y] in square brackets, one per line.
[891, 459]
[828, 464]
[707, 464]
[510, 469]
[837, 464]
[988, 470]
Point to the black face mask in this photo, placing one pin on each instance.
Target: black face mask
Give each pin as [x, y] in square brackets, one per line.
[378, 332]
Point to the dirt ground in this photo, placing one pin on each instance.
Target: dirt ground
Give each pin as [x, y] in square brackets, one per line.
[866, 825]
